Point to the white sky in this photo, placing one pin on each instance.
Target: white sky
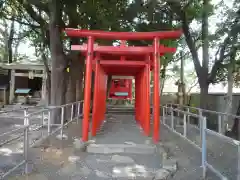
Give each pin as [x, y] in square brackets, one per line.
[26, 48]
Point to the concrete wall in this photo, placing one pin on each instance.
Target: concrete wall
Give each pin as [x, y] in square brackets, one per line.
[215, 102]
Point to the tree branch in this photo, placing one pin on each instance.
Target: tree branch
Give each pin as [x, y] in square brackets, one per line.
[21, 22]
[192, 86]
[221, 50]
[176, 7]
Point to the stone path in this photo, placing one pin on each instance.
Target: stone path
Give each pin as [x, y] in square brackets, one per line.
[127, 153]
[119, 151]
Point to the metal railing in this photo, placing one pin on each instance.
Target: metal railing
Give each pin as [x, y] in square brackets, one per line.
[64, 114]
[21, 108]
[219, 116]
[182, 117]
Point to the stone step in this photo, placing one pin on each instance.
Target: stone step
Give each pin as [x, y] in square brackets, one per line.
[121, 149]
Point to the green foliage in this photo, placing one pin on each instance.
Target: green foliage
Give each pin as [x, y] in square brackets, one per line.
[226, 39]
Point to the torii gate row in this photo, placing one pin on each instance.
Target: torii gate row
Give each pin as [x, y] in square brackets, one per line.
[122, 60]
[129, 51]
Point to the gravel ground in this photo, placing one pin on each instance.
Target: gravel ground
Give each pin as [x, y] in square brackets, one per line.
[52, 158]
[220, 154]
[56, 155]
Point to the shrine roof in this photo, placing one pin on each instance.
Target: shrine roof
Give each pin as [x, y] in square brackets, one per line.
[23, 66]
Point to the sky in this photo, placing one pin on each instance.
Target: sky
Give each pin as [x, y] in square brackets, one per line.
[26, 48]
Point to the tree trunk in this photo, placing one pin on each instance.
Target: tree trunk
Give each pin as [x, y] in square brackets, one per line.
[162, 79]
[5, 35]
[48, 87]
[10, 42]
[204, 94]
[9, 46]
[79, 83]
[72, 77]
[234, 133]
[58, 75]
[229, 97]
[162, 83]
[235, 128]
[17, 44]
[203, 101]
[204, 85]
[48, 80]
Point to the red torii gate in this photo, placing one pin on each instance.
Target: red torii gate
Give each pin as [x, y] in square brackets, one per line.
[127, 61]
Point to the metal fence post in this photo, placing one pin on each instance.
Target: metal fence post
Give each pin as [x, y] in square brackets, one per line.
[178, 107]
[43, 119]
[188, 119]
[238, 168]
[220, 123]
[71, 118]
[49, 122]
[62, 121]
[184, 125]
[204, 146]
[200, 118]
[200, 122]
[172, 118]
[26, 140]
[164, 115]
[78, 111]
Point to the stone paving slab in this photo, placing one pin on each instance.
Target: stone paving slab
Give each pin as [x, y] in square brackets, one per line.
[121, 139]
[121, 148]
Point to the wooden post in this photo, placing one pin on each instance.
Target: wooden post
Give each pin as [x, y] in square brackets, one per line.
[147, 121]
[95, 113]
[12, 86]
[142, 105]
[87, 89]
[156, 94]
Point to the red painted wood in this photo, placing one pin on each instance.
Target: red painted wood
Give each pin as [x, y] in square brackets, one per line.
[115, 63]
[156, 94]
[123, 35]
[141, 104]
[137, 97]
[102, 94]
[147, 102]
[124, 50]
[87, 90]
[95, 116]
